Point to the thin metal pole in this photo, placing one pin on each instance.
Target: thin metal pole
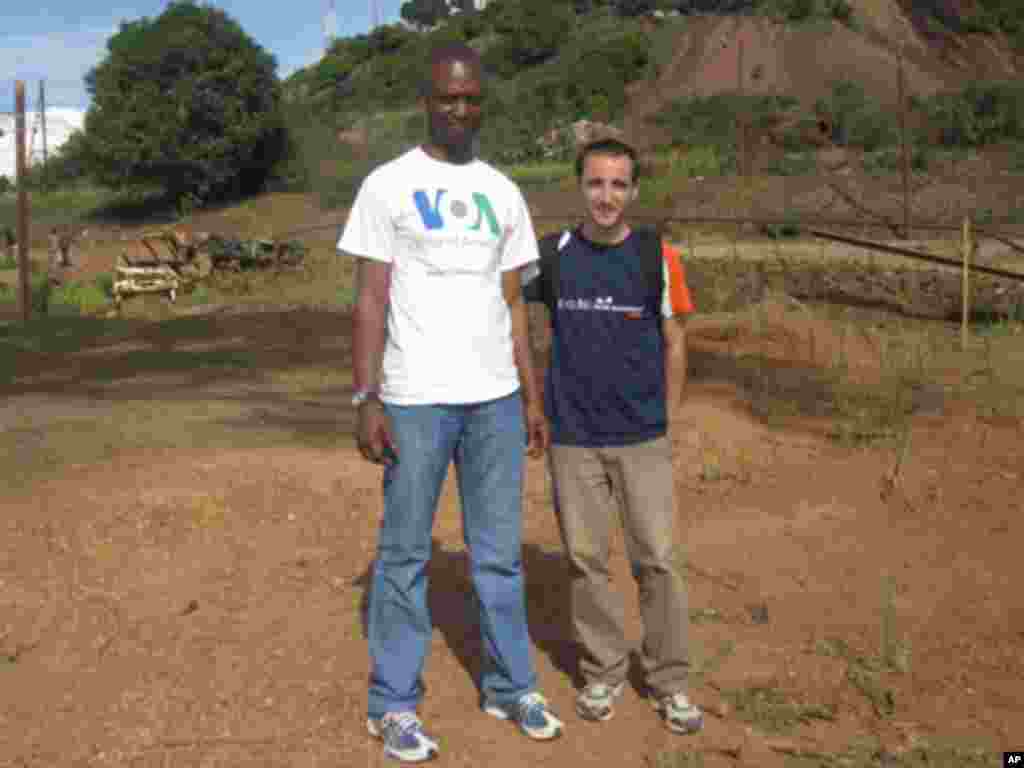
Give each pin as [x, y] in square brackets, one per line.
[21, 167]
[42, 115]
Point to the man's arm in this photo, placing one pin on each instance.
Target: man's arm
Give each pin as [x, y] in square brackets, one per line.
[674, 332]
[369, 331]
[536, 424]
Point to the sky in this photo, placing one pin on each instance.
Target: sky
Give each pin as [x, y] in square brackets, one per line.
[59, 41]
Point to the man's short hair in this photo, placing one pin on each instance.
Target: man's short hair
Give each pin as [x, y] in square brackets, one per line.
[450, 52]
[607, 146]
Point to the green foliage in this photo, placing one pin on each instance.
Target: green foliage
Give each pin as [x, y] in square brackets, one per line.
[856, 121]
[889, 159]
[985, 112]
[808, 10]
[333, 171]
[186, 101]
[1017, 157]
[697, 162]
[529, 33]
[6, 185]
[76, 298]
[788, 228]
[105, 282]
[425, 13]
[793, 164]
[711, 120]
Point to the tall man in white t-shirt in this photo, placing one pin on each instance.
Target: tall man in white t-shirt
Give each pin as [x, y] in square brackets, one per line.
[440, 238]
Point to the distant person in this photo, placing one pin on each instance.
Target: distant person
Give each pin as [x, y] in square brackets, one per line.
[618, 300]
[443, 372]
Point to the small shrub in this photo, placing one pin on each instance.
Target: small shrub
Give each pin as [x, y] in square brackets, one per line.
[105, 282]
[891, 159]
[76, 298]
[789, 228]
[856, 121]
[793, 164]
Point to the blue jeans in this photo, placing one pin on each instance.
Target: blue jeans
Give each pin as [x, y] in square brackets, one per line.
[487, 442]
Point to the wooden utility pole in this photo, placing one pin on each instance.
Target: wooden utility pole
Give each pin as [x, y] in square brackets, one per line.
[21, 167]
[903, 142]
[42, 116]
[741, 122]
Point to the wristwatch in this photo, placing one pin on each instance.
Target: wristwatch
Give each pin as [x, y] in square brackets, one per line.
[362, 396]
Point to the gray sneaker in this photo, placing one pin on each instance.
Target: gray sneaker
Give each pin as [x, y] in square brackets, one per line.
[597, 701]
[679, 714]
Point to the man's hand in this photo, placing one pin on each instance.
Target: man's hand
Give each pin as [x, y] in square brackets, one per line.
[376, 442]
[536, 430]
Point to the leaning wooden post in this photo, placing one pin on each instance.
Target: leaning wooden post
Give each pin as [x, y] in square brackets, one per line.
[904, 145]
[965, 314]
[21, 169]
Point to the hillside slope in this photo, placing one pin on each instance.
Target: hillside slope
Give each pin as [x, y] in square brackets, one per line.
[803, 60]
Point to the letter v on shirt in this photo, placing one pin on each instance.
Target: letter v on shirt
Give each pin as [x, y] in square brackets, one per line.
[449, 231]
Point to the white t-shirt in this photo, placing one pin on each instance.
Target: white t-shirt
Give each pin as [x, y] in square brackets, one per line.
[449, 231]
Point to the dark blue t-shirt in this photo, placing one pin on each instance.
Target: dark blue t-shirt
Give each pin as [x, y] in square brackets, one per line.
[605, 383]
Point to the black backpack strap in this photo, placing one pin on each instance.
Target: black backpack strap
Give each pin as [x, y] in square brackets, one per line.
[650, 248]
[544, 288]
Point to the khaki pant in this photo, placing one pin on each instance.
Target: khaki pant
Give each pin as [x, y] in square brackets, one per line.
[590, 485]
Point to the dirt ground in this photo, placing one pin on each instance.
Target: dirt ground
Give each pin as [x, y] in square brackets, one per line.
[202, 605]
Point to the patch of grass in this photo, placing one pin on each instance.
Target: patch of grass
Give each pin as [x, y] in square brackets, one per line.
[77, 298]
[704, 666]
[863, 672]
[676, 758]
[539, 173]
[867, 752]
[705, 615]
[773, 711]
[684, 168]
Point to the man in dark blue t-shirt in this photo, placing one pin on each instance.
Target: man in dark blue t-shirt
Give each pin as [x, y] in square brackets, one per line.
[614, 381]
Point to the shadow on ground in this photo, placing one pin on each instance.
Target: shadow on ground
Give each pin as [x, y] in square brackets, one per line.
[453, 608]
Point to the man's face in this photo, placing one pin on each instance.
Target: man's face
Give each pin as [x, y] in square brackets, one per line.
[608, 189]
[453, 106]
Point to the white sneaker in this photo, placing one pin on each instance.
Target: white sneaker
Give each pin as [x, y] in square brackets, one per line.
[403, 737]
[679, 714]
[531, 714]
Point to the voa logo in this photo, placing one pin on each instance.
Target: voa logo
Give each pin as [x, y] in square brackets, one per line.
[443, 212]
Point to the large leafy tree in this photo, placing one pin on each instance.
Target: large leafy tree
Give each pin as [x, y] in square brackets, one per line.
[187, 101]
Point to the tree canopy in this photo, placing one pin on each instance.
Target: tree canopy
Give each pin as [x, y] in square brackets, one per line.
[187, 101]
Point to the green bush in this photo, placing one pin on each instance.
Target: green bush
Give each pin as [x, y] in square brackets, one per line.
[857, 122]
[105, 282]
[808, 10]
[890, 159]
[982, 113]
[790, 227]
[711, 120]
[1017, 158]
[76, 298]
[793, 164]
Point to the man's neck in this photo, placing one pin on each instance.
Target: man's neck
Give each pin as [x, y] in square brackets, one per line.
[602, 236]
[449, 154]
